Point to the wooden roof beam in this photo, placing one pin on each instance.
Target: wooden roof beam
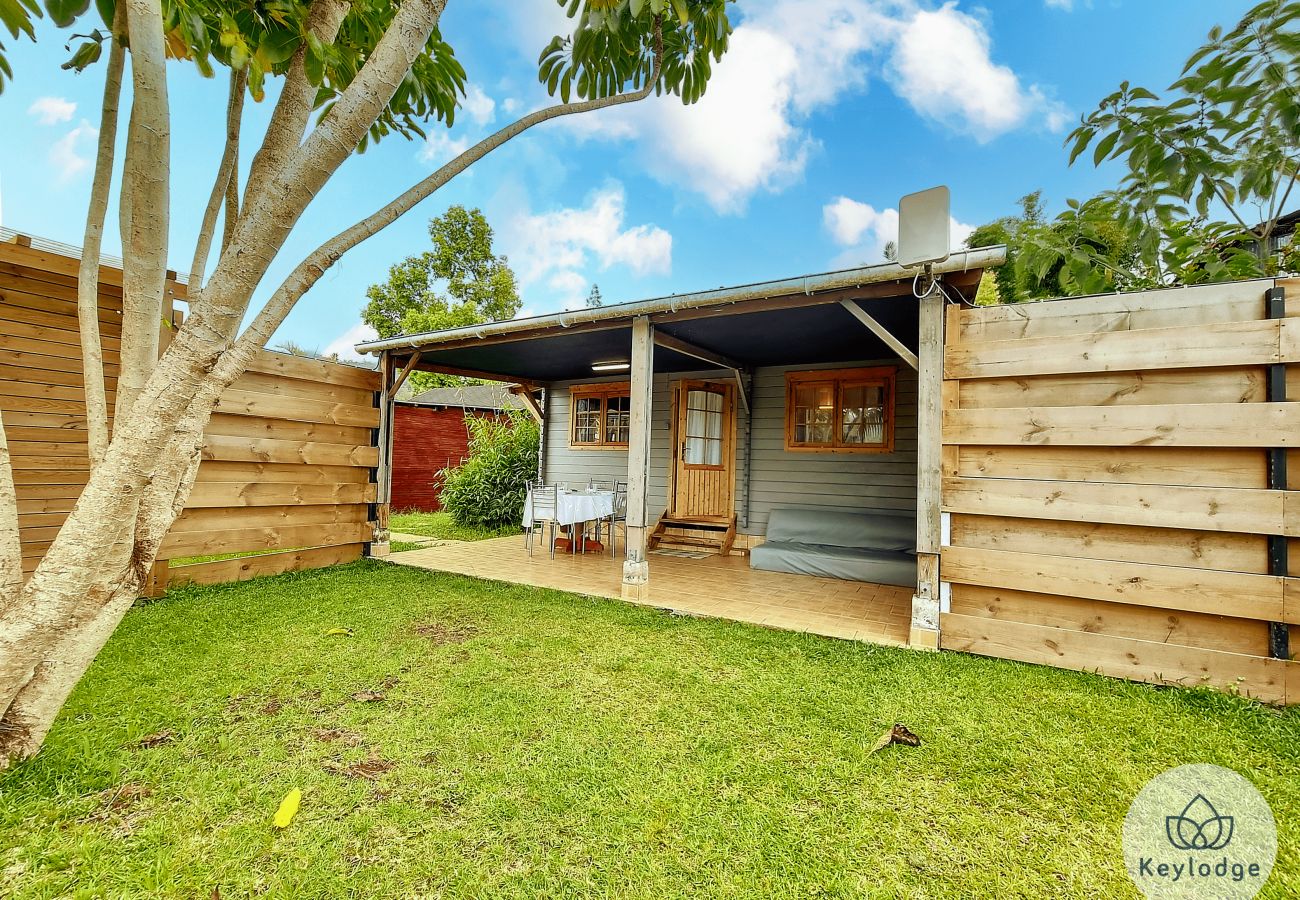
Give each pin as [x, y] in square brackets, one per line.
[686, 348]
[882, 332]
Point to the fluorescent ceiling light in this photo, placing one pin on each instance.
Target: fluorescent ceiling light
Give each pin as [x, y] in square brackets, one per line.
[612, 366]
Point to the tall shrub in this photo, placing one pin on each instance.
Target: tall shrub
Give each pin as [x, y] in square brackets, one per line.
[488, 489]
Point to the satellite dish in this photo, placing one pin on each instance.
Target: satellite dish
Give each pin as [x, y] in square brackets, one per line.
[924, 227]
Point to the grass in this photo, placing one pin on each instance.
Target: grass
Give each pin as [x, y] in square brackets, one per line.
[440, 525]
[535, 743]
[216, 557]
[403, 546]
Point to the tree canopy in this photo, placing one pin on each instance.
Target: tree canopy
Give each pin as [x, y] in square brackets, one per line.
[1209, 167]
[461, 281]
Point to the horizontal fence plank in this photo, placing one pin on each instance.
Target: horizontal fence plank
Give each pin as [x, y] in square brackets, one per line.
[201, 543]
[1232, 385]
[1234, 594]
[246, 567]
[28, 375]
[1186, 425]
[216, 518]
[241, 449]
[297, 409]
[1264, 341]
[255, 382]
[44, 261]
[1205, 466]
[1173, 506]
[1211, 304]
[11, 310]
[211, 470]
[1114, 619]
[284, 430]
[34, 331]
[1227, 552]
[1149, 661]
[268, 362]
[225, 495]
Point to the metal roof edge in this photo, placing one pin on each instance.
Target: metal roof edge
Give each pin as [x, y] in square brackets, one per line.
[965, 260]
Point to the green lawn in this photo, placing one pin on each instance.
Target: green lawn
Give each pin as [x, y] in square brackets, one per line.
[440, 525]
[531, 743]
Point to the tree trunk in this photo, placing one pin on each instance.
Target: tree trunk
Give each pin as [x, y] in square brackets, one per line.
[92, 351]
[144, 203]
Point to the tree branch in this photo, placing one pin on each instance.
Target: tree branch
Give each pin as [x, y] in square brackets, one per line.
[92, 351]
[272, 207]
[310, 270]
[293, 108]
[145, 203]
[225, 172]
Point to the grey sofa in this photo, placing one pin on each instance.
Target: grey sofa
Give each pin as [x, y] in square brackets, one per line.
[876, 546]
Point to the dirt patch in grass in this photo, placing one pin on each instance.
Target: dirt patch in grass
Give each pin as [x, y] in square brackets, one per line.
[157, 739]
[440, 633]
[367, 769]
[337, 736]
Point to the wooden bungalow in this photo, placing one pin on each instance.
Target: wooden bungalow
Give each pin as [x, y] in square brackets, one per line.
[1095, 482]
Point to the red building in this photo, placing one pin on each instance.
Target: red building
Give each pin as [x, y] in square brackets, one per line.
[429, 434]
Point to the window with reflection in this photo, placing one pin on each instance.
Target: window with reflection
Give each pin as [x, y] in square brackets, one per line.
[702, 443]
[600, 415]
[840, 409]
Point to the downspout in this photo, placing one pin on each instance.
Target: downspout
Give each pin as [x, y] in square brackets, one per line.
[541, 435]
[747, 478]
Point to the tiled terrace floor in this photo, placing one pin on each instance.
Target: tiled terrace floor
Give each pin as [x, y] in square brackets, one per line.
[721, 587]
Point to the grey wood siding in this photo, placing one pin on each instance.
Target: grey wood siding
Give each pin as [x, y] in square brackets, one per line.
[818, 480]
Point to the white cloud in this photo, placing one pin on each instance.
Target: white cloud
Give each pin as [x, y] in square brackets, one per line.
[863, 231]
[511, 105]
[943, 66]
[52, 110]
[478, 105]
[791, 58]
[440, 147]
[64, 156]
[1066, 5]
[345, 344]
[558, 248]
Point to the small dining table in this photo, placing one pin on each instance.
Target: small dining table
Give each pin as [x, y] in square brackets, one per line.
[576, 507]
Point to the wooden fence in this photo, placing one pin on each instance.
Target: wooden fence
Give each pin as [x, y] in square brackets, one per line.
[1116, 489]
[289, 459]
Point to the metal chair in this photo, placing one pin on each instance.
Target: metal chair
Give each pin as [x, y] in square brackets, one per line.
[619, 514]
[543, 507]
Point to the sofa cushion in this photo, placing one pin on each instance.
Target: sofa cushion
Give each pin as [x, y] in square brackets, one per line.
[875, 530]
[827, 561]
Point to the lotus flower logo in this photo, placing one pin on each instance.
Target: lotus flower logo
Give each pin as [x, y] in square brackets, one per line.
[1199, 827]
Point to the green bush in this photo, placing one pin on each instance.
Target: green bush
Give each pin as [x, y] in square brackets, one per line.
[488, 489]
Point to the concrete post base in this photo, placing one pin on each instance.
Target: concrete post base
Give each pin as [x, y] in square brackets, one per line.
[636, 581]
[923, 639]
[924, 633]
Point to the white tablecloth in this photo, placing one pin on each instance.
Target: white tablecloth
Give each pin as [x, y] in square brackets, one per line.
[573, 507]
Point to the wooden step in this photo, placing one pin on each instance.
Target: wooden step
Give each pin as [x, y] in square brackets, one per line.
[720, 534]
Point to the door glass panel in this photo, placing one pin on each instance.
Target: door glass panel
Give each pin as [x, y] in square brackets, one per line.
[862, 419]
[618, 420]
[814, 413]
[586, 420]
[703, 438]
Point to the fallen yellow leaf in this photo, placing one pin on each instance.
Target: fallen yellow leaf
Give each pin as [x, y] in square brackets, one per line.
[346, 632]
[288, 807]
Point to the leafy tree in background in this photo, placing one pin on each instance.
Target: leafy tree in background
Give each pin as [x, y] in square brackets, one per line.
[461, 281]
[593, 298]
[1210, 168]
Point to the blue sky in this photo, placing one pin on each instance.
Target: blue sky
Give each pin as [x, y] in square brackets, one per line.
[820, 117]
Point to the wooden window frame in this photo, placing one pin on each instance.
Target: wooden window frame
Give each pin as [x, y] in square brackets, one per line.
[604, 392]
[884, 376]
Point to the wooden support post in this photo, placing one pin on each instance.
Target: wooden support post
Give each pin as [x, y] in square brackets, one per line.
[636, 570]
[155, 584]
[929, 475]
[382, 474]
[525, 395]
